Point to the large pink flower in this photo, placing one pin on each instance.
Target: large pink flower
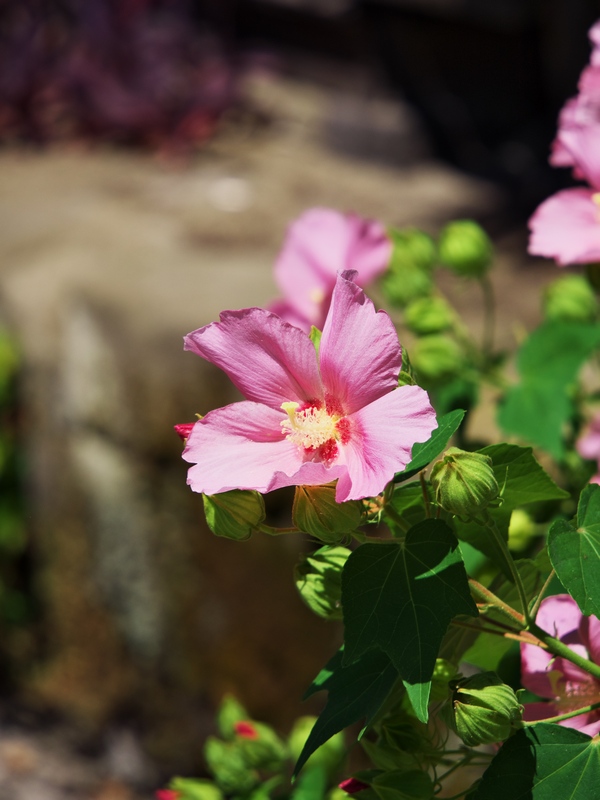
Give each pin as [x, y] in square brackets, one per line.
[307, 419]
[566, 686]
[566, 227]
[318, 245]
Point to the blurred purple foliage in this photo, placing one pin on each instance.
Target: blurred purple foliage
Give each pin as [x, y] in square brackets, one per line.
[139, 72]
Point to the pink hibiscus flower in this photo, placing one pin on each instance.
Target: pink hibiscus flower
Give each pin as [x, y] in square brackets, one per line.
[566, 227]
[318, 245]
[566, 686]
[307, 419]
[588, 445]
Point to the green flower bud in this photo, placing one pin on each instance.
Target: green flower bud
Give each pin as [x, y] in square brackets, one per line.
[465, 248]
[227, 763]
[329, 755]
[260, 746]
[234, 514]
[412, 246]
[570, 298]
[521, 530]
[316, 511]
[428, 315]
[319, 581]
[195, 789]
[230, 712]
[484, 710]
[464, 483]
[406, 283]
[436, 357]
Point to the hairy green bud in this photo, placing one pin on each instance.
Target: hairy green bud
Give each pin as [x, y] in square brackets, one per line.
[234, 514]
[465, 248]
[195, 789]
[405, 283]
[319, 581]
[484, 710]
[428, 315]
[464, 483]
[570, 298]
[436, 357]
[316, 511]
[229, 713]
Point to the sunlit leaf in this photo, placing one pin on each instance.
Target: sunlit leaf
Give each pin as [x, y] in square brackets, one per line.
[575, 552]
[423, 453]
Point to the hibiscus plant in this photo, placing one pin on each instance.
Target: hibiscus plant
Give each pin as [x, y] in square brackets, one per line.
[466, 574]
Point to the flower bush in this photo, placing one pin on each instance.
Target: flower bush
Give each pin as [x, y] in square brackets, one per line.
[467, 577]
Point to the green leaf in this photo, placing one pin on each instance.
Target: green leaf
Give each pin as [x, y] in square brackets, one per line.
[520, 477]
[311, 785]
[543, 762]
[423, 453]
[548, 362]
[404, 785]
[355, 692]
[401, 598]
[480, 537]
[575, 552]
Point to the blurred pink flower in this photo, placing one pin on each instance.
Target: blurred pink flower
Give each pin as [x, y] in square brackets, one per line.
[307, 419]
[566, 686]
[588, 445]
[318, 245]
[566, 227]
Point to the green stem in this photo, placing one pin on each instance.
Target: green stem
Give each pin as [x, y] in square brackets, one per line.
[391, 512]
[425, 495]
[558, 648]
[489, 319]
[509, 561]
[538, 601]
[489, 597]
[270, 531]
[560, 717]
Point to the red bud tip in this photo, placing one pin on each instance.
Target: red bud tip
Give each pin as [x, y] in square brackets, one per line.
[183, 430]
[246, 730]
[167, 794]
[352, 786]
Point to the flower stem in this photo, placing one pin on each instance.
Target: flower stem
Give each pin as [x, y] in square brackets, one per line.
[489, 597]
[391, 512]
[538, 601]
[270, 531]
[560, 717]
[509, 562]
[425, 495]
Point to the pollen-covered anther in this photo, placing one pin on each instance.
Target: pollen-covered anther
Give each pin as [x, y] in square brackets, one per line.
[311, 427]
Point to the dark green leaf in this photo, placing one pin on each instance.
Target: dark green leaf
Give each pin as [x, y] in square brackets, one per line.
[548, 362]
[355, 692]
[543, 762]
[480, 537]
[401, 598]
[423, 453]
[575, 552]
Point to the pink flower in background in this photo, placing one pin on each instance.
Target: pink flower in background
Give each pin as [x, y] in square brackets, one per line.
[566, 686]
[588, 445]
[566, 227]
[318, 245]
[307, 419]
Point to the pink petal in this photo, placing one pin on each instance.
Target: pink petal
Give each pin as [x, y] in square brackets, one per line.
[594, 34]
[267, 359]
[566, 227]
[382, 437]
[240, 446]
[589, 631]
[588, 445]
[582, 142]
[360, 354]
[533, 712]
[559, 615]
[318, 245]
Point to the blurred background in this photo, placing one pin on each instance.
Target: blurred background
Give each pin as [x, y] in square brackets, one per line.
[152, 153]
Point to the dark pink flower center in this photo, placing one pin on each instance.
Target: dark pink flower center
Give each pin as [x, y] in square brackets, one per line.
[316, 428]
[246, 730]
